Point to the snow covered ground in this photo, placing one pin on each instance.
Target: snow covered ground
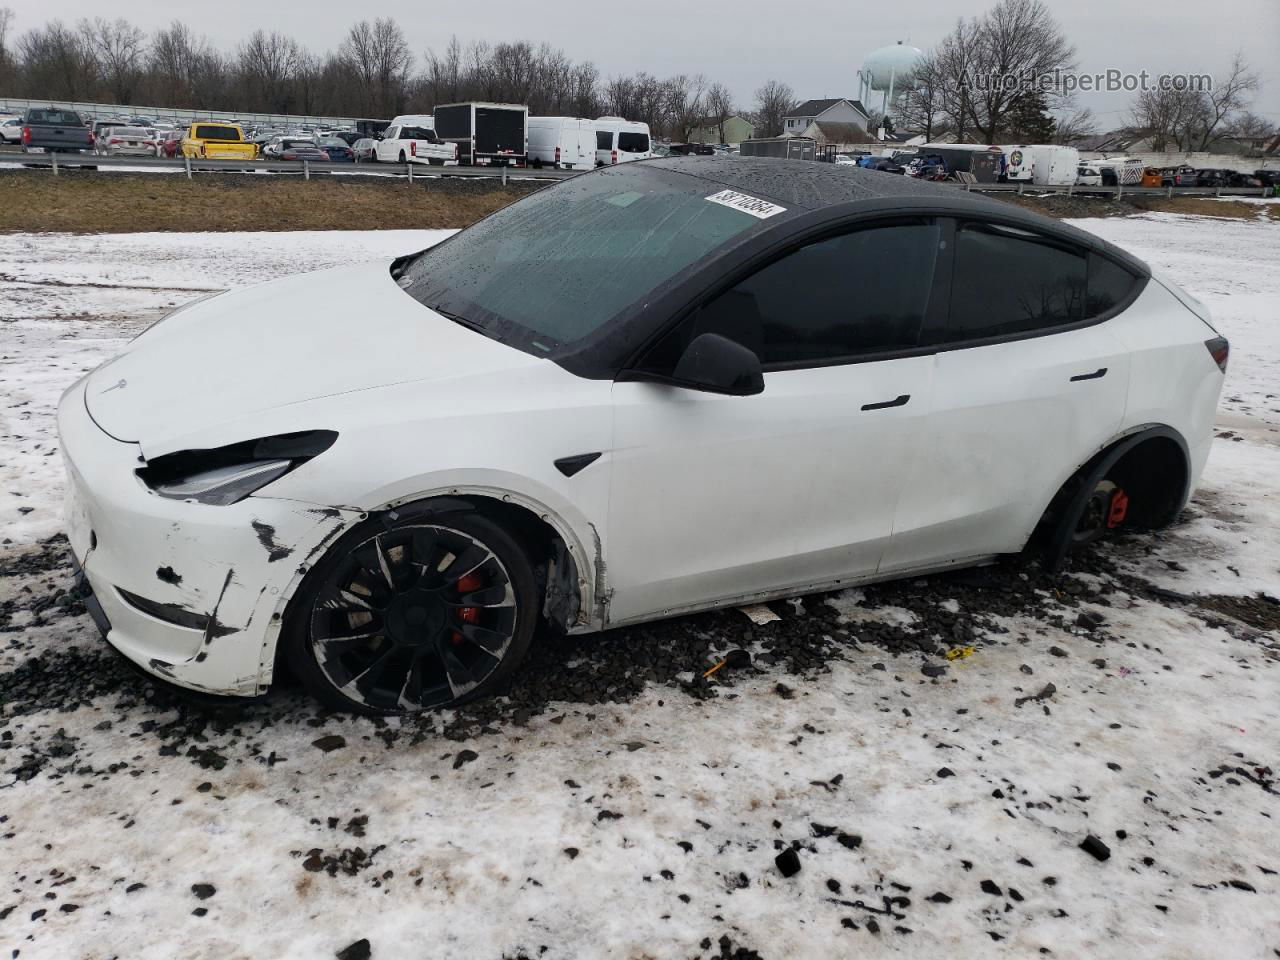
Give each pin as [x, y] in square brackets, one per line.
[619, 804]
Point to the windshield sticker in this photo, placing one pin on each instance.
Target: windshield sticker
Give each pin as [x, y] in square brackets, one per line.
[760, 209]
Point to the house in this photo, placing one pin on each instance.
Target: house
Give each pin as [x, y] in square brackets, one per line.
[843, 136]
[735, 130]
[835, 110]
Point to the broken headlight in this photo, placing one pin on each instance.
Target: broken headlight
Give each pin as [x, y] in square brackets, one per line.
[226, 475]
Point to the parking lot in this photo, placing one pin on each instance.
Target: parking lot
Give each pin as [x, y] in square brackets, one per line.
[988, 762]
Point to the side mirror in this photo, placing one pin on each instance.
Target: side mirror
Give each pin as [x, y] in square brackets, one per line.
[717, 364]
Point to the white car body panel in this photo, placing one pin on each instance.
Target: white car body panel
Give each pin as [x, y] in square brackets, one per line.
[984, 477]
[790, 487]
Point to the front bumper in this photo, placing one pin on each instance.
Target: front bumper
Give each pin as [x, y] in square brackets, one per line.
[192, 594]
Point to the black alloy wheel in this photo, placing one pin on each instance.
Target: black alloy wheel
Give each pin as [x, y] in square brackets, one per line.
[426, 613]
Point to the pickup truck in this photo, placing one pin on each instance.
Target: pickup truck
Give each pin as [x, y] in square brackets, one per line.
[217, 141]
[52, 130]
[408, 144]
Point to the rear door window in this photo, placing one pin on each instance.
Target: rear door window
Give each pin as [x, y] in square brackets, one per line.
[604, 140]
[1007, 281]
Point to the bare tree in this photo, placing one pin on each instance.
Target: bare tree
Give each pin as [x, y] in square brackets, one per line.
[719, 107]
[6, 58]
[378, 57]
[1221, 106]
[1000, 55]
[119, 51]
[267, 65]
[1075, 126]
[54, 61]
[921, 108]
[773, 101]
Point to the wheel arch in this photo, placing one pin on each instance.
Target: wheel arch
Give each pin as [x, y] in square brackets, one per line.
[1130, 458]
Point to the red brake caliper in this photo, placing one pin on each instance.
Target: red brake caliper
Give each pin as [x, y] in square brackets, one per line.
[468, 584]
[1118, 509]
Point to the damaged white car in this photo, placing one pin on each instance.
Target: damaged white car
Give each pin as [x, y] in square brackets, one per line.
[664, 387]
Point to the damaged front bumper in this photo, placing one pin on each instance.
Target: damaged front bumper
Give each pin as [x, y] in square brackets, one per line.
[192, 594]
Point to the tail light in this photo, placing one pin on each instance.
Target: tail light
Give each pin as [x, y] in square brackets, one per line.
[114, 140]
[26, 134]
[413, 148]
[557, 154]
[93, 138]
[1220, 350]
[613, 156]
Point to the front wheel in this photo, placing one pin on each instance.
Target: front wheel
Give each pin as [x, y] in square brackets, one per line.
[414, 614]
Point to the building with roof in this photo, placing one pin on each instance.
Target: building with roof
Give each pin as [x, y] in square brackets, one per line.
[734, 130]
[831, 110]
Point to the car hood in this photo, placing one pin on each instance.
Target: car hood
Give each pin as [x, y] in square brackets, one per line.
[240, 354]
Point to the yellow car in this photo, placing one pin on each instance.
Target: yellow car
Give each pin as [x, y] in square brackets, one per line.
[217, 141]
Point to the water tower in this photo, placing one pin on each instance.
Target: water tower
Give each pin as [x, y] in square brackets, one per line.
[886, 72]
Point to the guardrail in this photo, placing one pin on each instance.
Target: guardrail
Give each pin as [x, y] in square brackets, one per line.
[412, 171]
[306, 168]
[1117, 191]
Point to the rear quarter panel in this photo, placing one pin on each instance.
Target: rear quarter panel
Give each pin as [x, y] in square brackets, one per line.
[1173, 379]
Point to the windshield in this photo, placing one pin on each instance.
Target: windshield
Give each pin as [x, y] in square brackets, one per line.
[556, 266]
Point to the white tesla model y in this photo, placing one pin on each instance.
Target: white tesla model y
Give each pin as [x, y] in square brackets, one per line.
[663, 387]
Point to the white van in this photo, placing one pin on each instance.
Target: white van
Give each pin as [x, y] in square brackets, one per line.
[618, 141]
[562, 142]
[1017, 162]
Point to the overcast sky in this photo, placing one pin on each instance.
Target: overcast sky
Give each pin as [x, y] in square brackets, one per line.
[816, 46]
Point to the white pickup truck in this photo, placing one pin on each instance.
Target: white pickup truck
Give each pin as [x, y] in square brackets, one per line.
[406, 144]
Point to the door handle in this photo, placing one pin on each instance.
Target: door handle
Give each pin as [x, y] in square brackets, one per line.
[1096, 375]
[900, 401]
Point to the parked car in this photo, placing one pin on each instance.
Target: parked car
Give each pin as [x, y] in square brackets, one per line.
[562, 142]
[336, 149]
[604, 408]
[884, 165]
[1182, 176]
[304, 150]
[126, 141]
[406, 144]
[11, 130]
[1207, 177]
[364, 150]
[212, 141]
[844, 160]
[1088, 176]
[277, 146]
[54, 130]
[168, 143]
[1152, 177]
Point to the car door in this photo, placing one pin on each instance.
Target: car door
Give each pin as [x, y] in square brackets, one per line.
[719, 498]
[387, 148]
[1028, 383]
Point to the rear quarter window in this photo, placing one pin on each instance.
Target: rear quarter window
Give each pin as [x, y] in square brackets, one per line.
[1110, 285]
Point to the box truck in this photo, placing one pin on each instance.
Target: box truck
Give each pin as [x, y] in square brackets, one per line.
[486, 133]
[1053, 166]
